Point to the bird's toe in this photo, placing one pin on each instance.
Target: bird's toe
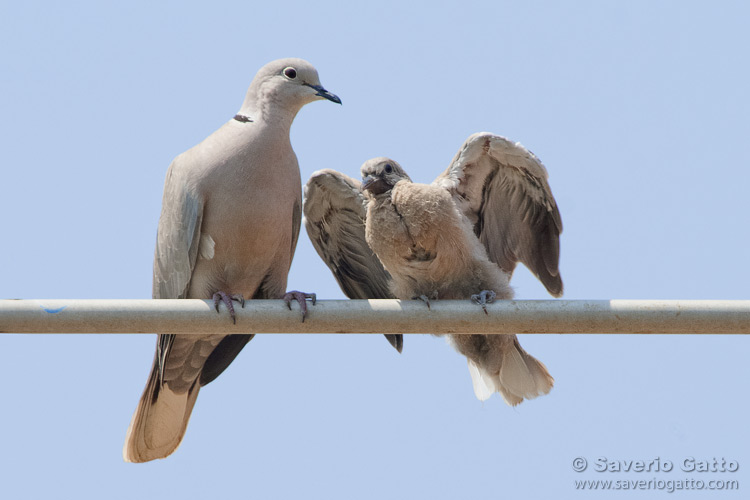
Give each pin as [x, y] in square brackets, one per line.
[227, 299]
[301, 299]
[483, 298]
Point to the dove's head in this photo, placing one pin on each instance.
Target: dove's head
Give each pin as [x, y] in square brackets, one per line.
[379, 175]
[285, 83]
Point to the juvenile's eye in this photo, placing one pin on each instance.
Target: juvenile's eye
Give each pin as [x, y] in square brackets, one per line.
[388, 168]
[290, 73]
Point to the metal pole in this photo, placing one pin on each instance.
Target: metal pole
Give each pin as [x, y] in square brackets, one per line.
[378, 316]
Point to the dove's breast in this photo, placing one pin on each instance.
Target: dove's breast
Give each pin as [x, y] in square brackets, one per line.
[250, 223]
[425, 243]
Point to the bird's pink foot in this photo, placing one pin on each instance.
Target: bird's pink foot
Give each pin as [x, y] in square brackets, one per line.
[483, 298]
[227, 299]
[301, 298]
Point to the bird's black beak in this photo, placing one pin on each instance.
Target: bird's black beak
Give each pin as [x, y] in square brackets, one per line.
[375, 185]
[324, 93]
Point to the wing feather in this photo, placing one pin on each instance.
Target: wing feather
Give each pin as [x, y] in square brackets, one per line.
[334, 215]
[502, 188]
[177, 243]
[177, 238]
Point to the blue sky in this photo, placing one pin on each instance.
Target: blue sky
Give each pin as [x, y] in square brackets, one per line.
[639, 110]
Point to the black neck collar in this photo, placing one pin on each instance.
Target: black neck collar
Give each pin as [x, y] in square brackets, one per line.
[243, 118]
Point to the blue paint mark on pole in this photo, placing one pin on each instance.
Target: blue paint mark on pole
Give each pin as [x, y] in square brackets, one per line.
[53, 311]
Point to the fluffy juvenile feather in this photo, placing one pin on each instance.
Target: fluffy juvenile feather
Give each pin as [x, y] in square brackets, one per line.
[429, 248]
[491, 208]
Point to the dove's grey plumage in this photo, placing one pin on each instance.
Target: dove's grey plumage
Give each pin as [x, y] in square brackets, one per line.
[230, 219]
[463, 234]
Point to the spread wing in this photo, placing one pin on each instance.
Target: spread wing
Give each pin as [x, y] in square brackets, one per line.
[502, 188]
[177, 242]
[334, 213]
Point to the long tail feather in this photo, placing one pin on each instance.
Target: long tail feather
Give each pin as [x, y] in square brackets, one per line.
[159, 422]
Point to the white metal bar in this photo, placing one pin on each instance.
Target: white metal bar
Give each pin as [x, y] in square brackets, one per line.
[378, 316]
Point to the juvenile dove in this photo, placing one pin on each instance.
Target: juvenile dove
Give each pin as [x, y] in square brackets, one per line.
[228, 229]
[457, 238]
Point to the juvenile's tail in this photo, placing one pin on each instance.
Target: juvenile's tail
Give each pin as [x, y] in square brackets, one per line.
[159, 422]
[498, 363]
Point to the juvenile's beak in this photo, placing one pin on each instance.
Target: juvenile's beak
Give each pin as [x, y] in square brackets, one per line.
[375, 185]
[324, 93]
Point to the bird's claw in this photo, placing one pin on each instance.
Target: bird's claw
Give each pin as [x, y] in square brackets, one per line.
[227, 299]
[424, 298]
[301, 298]
[483, 298]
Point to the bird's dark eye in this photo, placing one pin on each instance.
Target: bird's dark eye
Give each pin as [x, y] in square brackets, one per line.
[290, 73]
[388, 168]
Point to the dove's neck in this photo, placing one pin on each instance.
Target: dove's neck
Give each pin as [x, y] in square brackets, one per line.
[267, 109]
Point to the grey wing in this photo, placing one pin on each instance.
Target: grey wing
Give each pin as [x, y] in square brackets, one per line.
[177, 244]
[334, 214]
[177, 237]
[502, 188]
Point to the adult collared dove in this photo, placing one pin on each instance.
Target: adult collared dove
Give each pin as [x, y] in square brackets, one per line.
[457, 238]
[228, 229]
